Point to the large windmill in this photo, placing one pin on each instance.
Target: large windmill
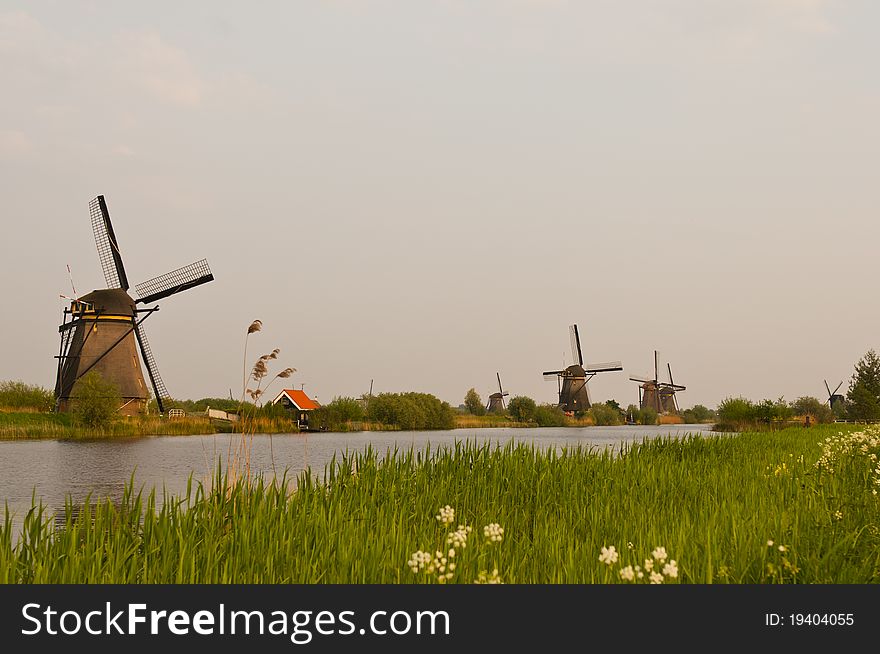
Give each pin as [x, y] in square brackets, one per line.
[656, 394]
[572, 382]
[100, 329]
[834, 399]
[496, 400]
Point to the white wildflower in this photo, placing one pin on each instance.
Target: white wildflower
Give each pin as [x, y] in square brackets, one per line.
[446, 516]
[659, 553]
[649, 565]
[609, 555]
[419, 561]
[656, 578]
[493, 532]
[487, 578]
[458, 538]
[627, 573]
[671, 569]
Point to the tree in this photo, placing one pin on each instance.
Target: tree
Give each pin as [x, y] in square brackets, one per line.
[810, 406]
[474, 403]
[522, 409]
[863, 397]
[96, 400]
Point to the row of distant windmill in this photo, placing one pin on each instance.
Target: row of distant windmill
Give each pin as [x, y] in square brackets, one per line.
[574, 394]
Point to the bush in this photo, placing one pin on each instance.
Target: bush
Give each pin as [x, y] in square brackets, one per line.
[698, 414]
[648, 416]
[604, 414]
[736, 411]
[339, 413]
[522, 408]
[411, 411]
[549, 415]
[18, 395]
[96, 401]
[474, 403]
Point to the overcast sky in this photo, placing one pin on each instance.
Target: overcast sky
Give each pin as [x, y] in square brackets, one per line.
[425, 193]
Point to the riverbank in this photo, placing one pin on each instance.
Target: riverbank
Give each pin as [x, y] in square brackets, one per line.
[33, 425]
[795, 506]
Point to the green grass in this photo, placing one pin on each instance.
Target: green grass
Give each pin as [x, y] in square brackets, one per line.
[712, 502]
[23, 425]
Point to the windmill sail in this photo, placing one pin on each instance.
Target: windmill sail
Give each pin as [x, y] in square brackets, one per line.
[108, 248]
[576, 345]
[152, 369]
[182, 279]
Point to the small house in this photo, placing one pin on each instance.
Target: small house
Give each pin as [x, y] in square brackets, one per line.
[298, 402]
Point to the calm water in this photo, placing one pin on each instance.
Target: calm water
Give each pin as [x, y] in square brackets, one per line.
[54, 470]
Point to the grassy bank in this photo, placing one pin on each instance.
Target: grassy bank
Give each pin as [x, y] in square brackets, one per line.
[713, 504]
[19, 425]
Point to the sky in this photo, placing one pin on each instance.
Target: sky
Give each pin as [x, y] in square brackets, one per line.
[424, 193]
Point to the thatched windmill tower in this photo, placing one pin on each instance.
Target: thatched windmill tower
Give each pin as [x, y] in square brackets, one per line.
[496, 400]
[572, 382]
[656, 394]
[101, 329]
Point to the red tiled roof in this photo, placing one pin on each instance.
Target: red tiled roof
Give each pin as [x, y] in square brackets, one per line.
[299, 398]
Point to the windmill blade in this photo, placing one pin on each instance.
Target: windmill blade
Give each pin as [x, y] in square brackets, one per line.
[152, 370]
[609, 366]
[182, 279]
[500, 390]
[576, 353]
[108, 248]
[669, 370]
[656, 365]
[552, 375]
[642, 380]
[827, 388]
[838, 388]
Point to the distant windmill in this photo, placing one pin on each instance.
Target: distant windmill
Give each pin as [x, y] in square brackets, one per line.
[656, 394]
[834, 399]
[572, 381]
[100, 329]
[496, 400]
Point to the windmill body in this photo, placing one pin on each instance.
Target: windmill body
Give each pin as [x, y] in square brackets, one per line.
[656, 394]
[574, 394]
[496, 400]
[103, 330]
[103, 340]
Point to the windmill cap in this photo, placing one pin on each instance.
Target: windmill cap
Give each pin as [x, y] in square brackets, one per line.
[111, 300]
